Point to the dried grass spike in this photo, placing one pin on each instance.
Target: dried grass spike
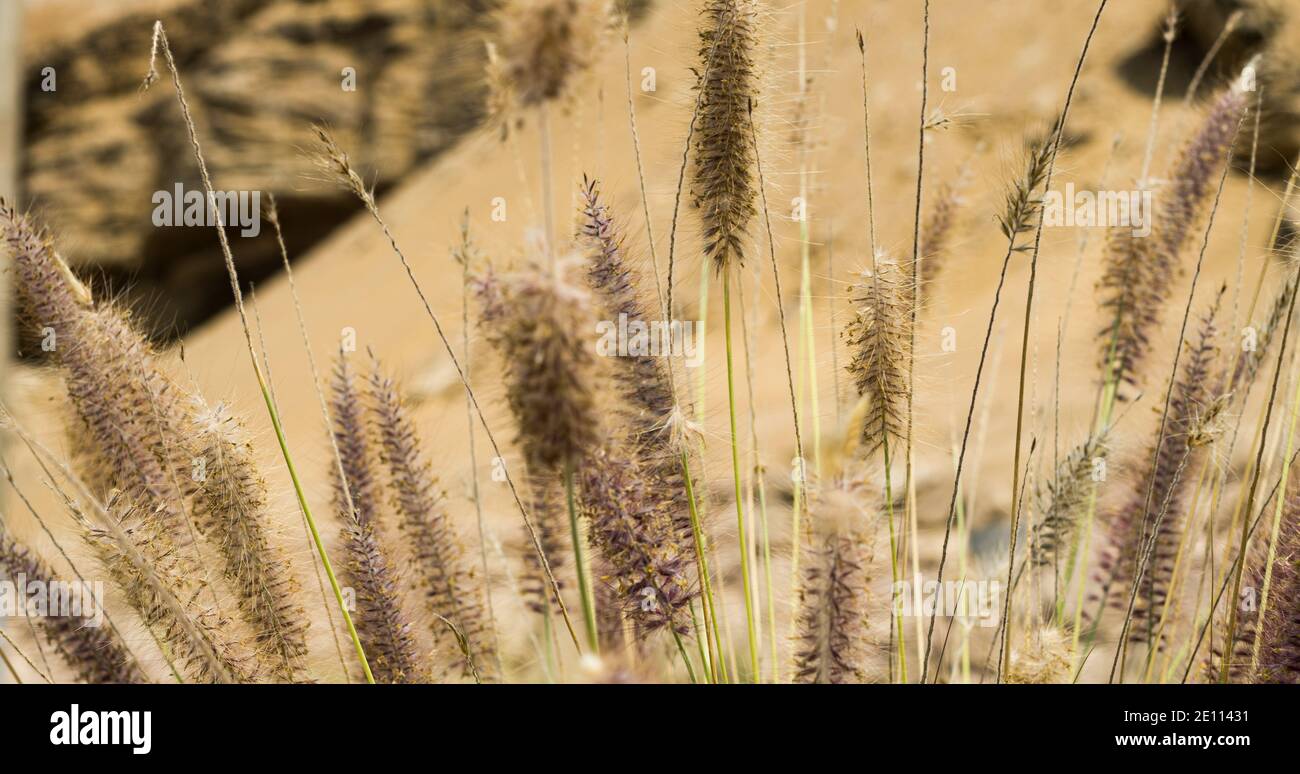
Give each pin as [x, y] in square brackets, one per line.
[94, 652]
[880, 348]
[448, 581]
[724, 183]
[231, 509]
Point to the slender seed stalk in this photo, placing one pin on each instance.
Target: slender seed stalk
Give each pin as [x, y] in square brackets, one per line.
[735, 465]
[580, 560]
[160, 42]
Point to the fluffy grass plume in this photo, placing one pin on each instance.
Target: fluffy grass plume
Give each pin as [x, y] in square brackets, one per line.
[1140, 272]
[1043, 655]
[1152, 515]
[166, 588]
[95, 654]
[133, 414]
[1268, 648]
[543, 44]
[386, 632]
[231, 509]
[451, 589]
[642, 382]
[724, 184]
[831, 643]
[539, 323]
[879, 348]
[1063, 499]
[632, 532]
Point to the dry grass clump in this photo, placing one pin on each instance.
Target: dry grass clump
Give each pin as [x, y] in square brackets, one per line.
[615, 495]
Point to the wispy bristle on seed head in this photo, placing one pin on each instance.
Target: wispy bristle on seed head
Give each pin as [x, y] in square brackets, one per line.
[880, 348]
[724, 180]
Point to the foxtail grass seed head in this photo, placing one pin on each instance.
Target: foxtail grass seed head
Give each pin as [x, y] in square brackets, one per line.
[165, 587]
[937, 229]
[385, 630]
[452, 592]
[724, 182]
[540, 324]
[1195, 406]
[1140, 271]
[133, 412]
[544, 44]
[831, 643]
[1064, 498]
[1024, 201]
[880, 347]
[633, 534]
[94, 652]
[1042, 655]
[231, 509]
[643, 385]
[1268, 646]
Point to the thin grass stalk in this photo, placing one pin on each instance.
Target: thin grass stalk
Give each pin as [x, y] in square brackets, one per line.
[1254, 479]
[274, 217]
[710, 628]
[1169, 34]
[25, 658]
[748, 324]
[463, 255]
[741, 528]
[916, 268]
[1024, 347]
[800, 479]
[160, 41]
[1022, 207]
[580, 561]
